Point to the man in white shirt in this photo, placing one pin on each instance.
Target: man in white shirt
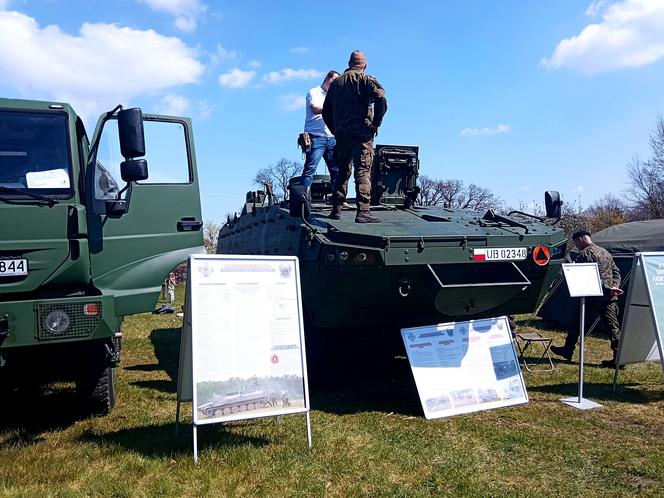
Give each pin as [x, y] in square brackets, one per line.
[322, 140]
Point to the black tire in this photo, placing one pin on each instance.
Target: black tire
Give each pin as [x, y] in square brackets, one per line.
[95, 380]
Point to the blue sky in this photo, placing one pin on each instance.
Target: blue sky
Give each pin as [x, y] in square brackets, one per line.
[517, 96]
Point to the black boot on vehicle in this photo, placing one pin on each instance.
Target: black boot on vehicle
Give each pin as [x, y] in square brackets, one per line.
[366, 216]
[336, 212]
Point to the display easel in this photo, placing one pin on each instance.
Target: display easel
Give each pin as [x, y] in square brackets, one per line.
[641, 337]
[242, 323]
[583, 281]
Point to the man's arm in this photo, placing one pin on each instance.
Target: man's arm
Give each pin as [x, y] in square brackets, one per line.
[616, 274]
[327, 109]
[314, 104]
[376, 94]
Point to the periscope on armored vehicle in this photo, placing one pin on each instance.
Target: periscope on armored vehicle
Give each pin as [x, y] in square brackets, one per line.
[420, 265]
[87, 236]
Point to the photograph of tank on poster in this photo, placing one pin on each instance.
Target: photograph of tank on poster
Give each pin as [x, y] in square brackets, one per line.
[463, 367]
[247, 338]
[254, 396]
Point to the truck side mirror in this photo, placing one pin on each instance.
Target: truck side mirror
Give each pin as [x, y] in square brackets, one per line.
[134, 170]
[552, 204]
[130, 130]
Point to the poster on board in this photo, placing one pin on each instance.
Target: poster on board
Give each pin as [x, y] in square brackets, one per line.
[643, 317]
[243, 331]
[582, 279]
[462, 367]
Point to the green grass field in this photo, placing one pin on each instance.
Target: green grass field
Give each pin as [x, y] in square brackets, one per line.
[369, 436]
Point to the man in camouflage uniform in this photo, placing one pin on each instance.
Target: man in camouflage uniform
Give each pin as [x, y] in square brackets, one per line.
[354, 108]
[607, 305]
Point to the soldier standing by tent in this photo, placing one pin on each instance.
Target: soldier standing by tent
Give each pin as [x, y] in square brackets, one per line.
[607, 305]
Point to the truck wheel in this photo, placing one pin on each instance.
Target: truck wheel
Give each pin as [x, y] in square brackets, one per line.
[95, 380]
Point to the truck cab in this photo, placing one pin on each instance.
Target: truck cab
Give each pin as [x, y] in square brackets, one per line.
[89, 228]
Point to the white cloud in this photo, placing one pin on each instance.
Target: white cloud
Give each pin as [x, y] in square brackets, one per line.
[276, 77]
[204, 109]
[299, 50]
[222, 54]
[473, 132]
[292, 102]
[4, 4]
[174, 105]
[236, 78]
[630, 35]
[103, 65]
[254, 64]
[594, 8]
[186, 12]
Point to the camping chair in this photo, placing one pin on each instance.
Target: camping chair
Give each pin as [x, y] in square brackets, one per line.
[527, 339]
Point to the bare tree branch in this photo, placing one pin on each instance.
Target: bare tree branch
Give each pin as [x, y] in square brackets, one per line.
[278, 175]
[453, 194]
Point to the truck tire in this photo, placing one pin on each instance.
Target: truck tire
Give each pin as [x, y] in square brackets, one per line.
[95, 380]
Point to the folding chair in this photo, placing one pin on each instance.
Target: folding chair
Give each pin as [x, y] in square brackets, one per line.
[525, 340]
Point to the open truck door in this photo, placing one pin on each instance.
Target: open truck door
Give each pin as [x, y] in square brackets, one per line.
[145, 216]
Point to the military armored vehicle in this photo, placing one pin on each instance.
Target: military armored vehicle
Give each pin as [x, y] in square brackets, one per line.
[234, 402]
[420, 265]
[78, 249]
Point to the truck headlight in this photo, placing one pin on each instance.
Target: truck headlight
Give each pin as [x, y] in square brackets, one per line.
[57, 321]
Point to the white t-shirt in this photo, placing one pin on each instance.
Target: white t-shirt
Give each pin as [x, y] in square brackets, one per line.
[313, 123]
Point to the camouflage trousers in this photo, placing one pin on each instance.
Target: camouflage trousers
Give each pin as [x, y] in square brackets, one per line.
[608, 312]
[357, 153]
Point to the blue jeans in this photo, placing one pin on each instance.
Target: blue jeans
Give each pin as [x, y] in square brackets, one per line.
[320, 147]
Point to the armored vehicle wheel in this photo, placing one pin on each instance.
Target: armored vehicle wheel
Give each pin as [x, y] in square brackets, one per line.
[251, 406]
[243, 408]
[218, 412]
[227, 411]
[207, 412]
[95, 379]
[235, 409]
[260, 404]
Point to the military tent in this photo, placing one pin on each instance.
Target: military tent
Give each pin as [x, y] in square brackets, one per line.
[622, 241]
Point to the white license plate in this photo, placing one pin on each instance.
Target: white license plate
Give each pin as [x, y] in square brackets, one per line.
[500, 254]
[13, 267]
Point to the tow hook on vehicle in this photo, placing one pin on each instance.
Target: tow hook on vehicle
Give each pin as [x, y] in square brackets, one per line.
[113, 354]
[4, 331]
[404, 287]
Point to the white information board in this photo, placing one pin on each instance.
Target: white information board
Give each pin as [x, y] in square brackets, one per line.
[643, 318]
[582, 279]
[242, 351]
[462, 367]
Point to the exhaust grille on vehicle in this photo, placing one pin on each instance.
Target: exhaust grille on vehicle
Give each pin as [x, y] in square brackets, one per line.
[67, 320]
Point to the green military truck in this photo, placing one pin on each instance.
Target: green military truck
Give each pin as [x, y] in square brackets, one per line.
[87, 236]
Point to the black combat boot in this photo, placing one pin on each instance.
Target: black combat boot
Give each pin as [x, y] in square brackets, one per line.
[366, 216]
[612, 362]
[336, 212]
[564, 351]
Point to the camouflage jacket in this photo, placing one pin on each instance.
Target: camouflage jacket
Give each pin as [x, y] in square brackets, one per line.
[608, 271]
[348, 105]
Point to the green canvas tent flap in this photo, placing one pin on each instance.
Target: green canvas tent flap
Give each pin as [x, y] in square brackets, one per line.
[622, 241]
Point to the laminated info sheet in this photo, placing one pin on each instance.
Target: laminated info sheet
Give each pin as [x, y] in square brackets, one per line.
[463, 367]
[248, 356]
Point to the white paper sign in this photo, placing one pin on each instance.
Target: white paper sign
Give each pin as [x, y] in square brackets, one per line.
[55, 178]
[582, 279]
[247, 338]
[462, 367]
